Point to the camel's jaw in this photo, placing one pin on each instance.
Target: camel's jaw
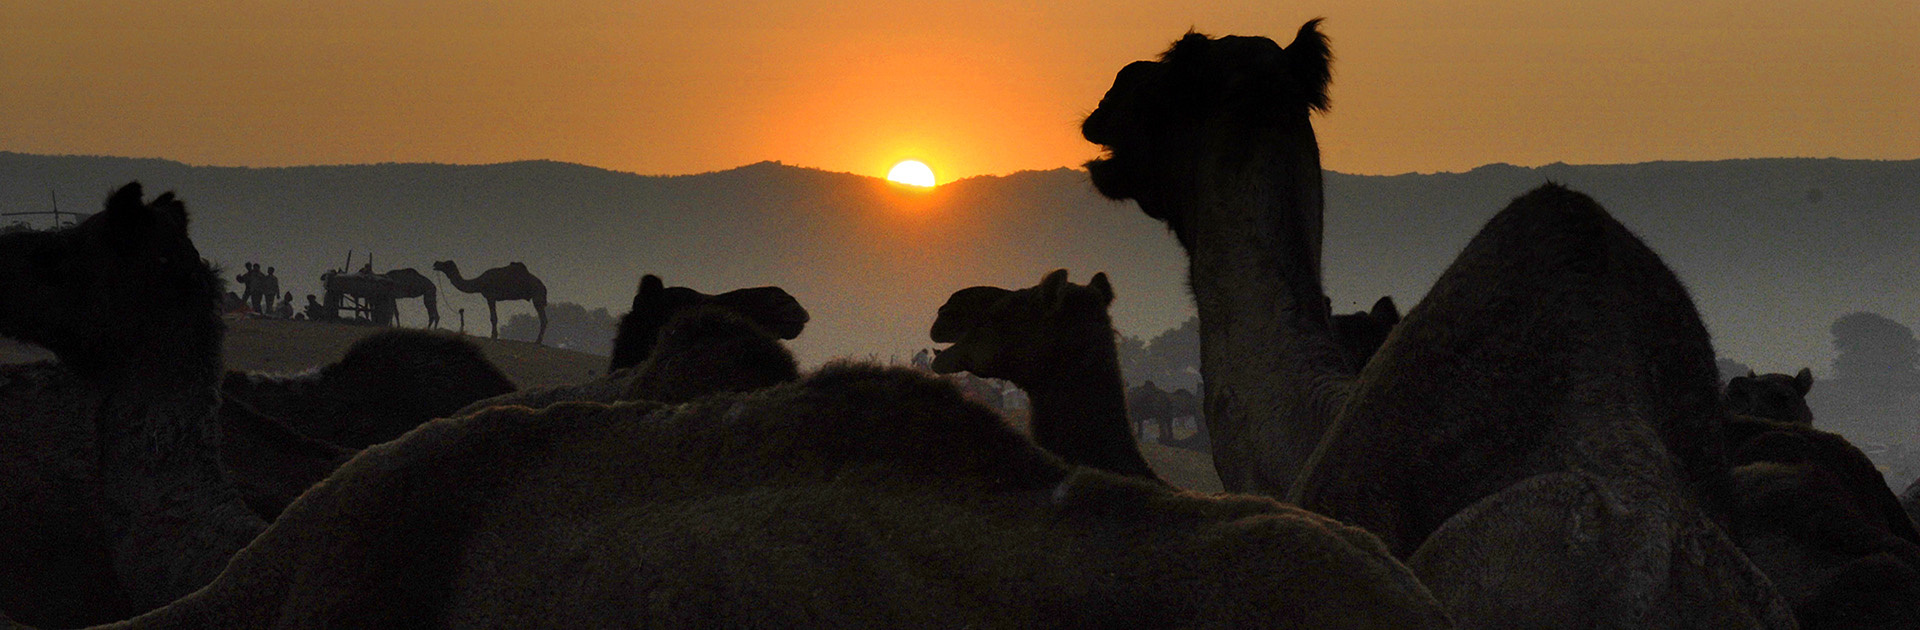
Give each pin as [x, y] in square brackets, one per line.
[946, 361]
[788, 323]
[1108, 178]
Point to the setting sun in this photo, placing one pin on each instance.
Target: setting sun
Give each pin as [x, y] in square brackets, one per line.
[911, 173]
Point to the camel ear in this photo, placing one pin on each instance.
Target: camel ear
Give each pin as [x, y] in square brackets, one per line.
[1190, 45]
[650, 289]
[1100, 284]
[1803, 381]
[1310, 60]
[1750, 374]
[128, 220]
[169, 206]
[1053, 288]
[1385, 311]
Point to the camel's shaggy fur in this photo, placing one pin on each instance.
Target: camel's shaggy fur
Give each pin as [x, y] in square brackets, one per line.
[1812, 511]
[269, 462]
[707, 350]
[116, 497]
[862, 497]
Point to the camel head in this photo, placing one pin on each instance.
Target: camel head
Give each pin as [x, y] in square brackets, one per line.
[1776, 396]
[446, 267]
[1165, 121]
[124, 279]
[1031, 337]
[1362, 332]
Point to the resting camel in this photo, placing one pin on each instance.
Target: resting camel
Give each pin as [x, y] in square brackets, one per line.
[710, 351]
[801, 505]
[1537, 438]
[1815, 514]
[1056, 342]
[511, 282]
[386, 384]
[109, 459]
[1776, 396]
[654, 304]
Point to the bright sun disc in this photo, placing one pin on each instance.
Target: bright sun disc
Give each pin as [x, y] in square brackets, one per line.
[911, 173]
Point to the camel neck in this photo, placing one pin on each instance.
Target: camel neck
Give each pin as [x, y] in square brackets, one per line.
[173, 516]
[458, 282]
[1275, 378]
[1081, 416]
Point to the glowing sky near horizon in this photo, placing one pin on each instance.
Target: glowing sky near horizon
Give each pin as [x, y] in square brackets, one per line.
[686, 86]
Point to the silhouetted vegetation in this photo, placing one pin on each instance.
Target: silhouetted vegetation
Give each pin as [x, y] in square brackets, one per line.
[569, 325]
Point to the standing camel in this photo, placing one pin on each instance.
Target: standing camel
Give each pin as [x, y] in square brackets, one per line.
[413, 284]
[1538, 438]
[512, 282]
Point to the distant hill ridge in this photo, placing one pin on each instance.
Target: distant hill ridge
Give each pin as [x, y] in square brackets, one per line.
[1773, 249]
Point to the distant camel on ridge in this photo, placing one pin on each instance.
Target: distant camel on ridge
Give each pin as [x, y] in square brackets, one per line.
[512, 282]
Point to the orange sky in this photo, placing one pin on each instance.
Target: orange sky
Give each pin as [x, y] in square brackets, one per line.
[978, 87]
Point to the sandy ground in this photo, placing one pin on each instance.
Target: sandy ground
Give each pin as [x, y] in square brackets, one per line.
[287, 346]
[264, 345]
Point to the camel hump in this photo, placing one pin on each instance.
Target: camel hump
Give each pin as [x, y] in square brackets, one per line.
[517, 265]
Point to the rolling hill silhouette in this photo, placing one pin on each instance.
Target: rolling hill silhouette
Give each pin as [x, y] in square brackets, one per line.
[1773, 249]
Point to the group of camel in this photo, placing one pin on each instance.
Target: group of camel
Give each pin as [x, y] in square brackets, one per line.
[506, 283]
[1542, 441]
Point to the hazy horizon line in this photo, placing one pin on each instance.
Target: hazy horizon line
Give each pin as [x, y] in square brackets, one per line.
[777, 162]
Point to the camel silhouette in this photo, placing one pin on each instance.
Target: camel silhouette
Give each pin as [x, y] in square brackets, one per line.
[1776, 396]
[1055, 341]
[1538, 438]
[654, 304]
[861, 496]
[409, 283]
[508, 283]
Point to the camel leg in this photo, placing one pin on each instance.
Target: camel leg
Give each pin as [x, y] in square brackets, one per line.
[493, 315]
[540, 308]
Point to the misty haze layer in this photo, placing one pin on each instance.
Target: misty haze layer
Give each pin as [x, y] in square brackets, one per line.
[1774, 250]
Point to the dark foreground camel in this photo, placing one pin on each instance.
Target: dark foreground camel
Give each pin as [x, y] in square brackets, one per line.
[1538, 438]
[860, 497]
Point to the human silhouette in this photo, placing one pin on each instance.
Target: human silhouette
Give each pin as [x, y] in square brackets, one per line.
[315, 311]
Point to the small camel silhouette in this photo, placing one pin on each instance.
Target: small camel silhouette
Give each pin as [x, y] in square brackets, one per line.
[511, 282]
[409, 283]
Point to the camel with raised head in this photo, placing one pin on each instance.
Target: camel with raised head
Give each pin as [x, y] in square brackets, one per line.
[500, 284]
[1056, 342]
[1538, 438]
[110, 467]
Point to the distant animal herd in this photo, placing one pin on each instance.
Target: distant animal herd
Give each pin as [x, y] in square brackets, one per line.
[1543, 441]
